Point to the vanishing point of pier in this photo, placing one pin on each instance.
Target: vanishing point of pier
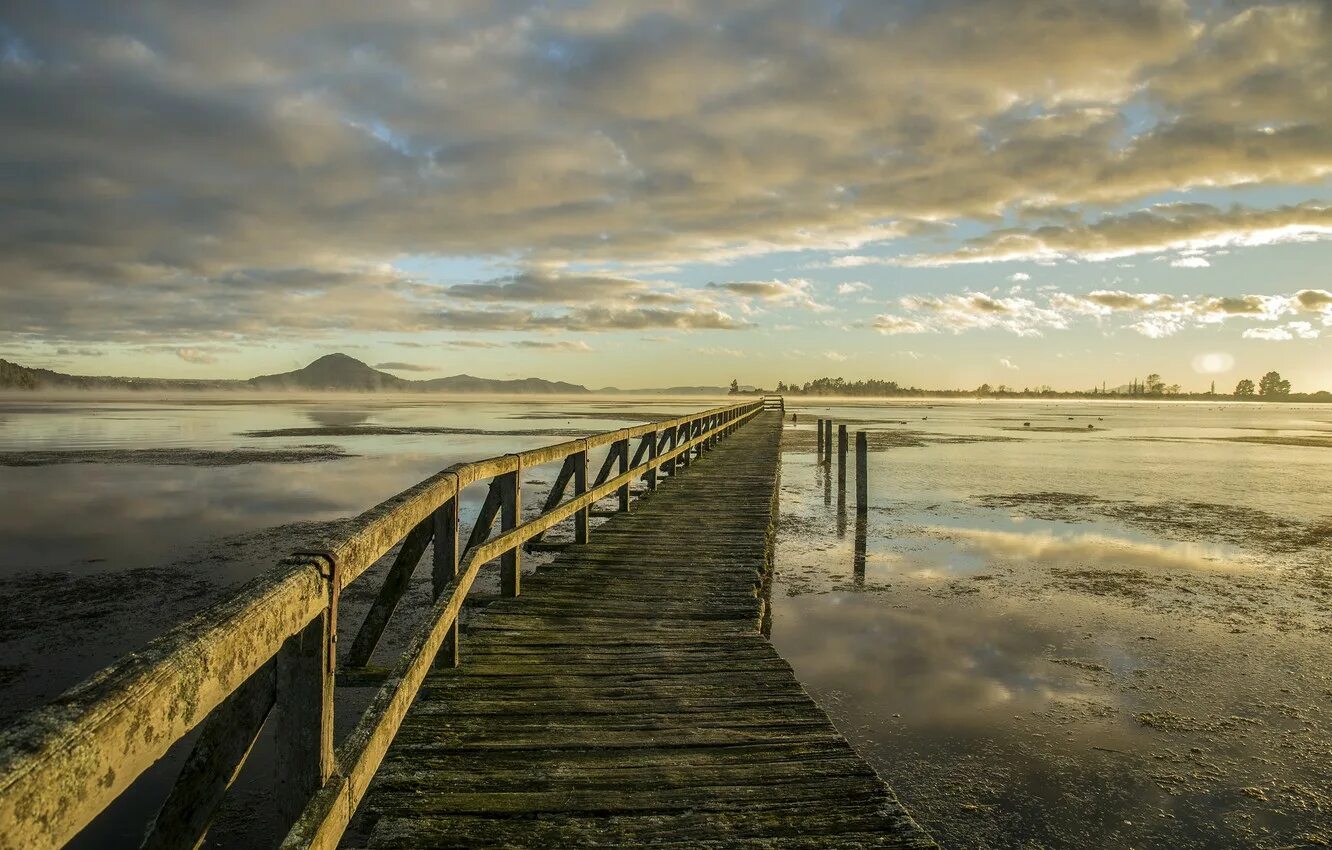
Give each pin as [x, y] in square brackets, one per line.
[622, 695]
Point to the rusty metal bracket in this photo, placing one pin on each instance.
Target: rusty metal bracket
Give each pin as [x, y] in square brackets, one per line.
[328, 568]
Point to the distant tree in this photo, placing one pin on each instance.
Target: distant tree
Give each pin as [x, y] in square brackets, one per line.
[735, 386]
[1273, 385]
[1173, 389]
[1155, 386]
[781, 386]
[983, 390]
[1244, 388]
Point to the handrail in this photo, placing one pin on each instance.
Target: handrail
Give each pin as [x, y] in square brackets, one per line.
[66, 762]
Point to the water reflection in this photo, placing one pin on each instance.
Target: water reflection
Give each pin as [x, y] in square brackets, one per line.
[1090, 550]
[334, 418]
[858, 559]
[1071, 680]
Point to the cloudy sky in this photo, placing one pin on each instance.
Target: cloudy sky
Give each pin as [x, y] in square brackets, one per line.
[1027, 192]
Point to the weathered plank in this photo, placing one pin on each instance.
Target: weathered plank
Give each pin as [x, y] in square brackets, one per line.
[629, 698]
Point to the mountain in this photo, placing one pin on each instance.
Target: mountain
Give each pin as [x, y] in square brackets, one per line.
[333, 372]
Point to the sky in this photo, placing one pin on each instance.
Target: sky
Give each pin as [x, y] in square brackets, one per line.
[667, 192]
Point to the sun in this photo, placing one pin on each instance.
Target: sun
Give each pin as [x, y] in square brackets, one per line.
[1213, 363]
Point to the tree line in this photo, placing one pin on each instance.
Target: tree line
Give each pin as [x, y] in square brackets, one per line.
[1270, 387]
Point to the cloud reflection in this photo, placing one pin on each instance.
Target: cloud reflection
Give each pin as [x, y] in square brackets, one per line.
[1089, 550]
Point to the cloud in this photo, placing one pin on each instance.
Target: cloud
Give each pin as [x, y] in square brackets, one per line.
[189, 174]
[542, 287]
[587, 319]
[718, 351]
[1314, 300]
[890, 324]
[396, 366]
[796, 292]
[1018, 277]
[835, 356]
[554, 345]
[1007, 364]
[972, 310]
[1190, 263]
[1182, 227]
[1152, 314]
[852, 287]
[194, 355]
[1291, 330]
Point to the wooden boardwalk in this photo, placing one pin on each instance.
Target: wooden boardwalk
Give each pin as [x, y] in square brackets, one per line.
[628, 698]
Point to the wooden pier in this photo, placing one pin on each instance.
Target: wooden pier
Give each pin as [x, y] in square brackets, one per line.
[623, 695]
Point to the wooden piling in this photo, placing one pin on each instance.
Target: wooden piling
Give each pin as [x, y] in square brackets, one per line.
[862, 473]
[841, 458]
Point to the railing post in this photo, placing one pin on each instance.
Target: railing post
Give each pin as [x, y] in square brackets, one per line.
[818, 443]
[652, 456]
[445, 572]
[303, 715]
[511, 509]
[827, 440]
[862, 473]
[622, 447]
[582, 527]
[684, 458]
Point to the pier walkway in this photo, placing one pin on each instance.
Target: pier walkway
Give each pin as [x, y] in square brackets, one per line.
[627, 698]
[622, 695]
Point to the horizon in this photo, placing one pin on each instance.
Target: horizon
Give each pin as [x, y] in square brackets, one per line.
[1057, 193]
[985, 390]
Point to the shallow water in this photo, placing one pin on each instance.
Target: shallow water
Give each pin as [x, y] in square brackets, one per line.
[1112, 637]
[114, 516]
[1043, 635]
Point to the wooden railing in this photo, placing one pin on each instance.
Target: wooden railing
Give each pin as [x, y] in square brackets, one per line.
[268, 655]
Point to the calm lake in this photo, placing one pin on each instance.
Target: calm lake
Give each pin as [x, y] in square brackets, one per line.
[1042, 634]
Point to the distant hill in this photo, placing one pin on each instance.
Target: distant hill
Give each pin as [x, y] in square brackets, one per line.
[16, 377]
[332, 372]
[469, 384]
[697, 390]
